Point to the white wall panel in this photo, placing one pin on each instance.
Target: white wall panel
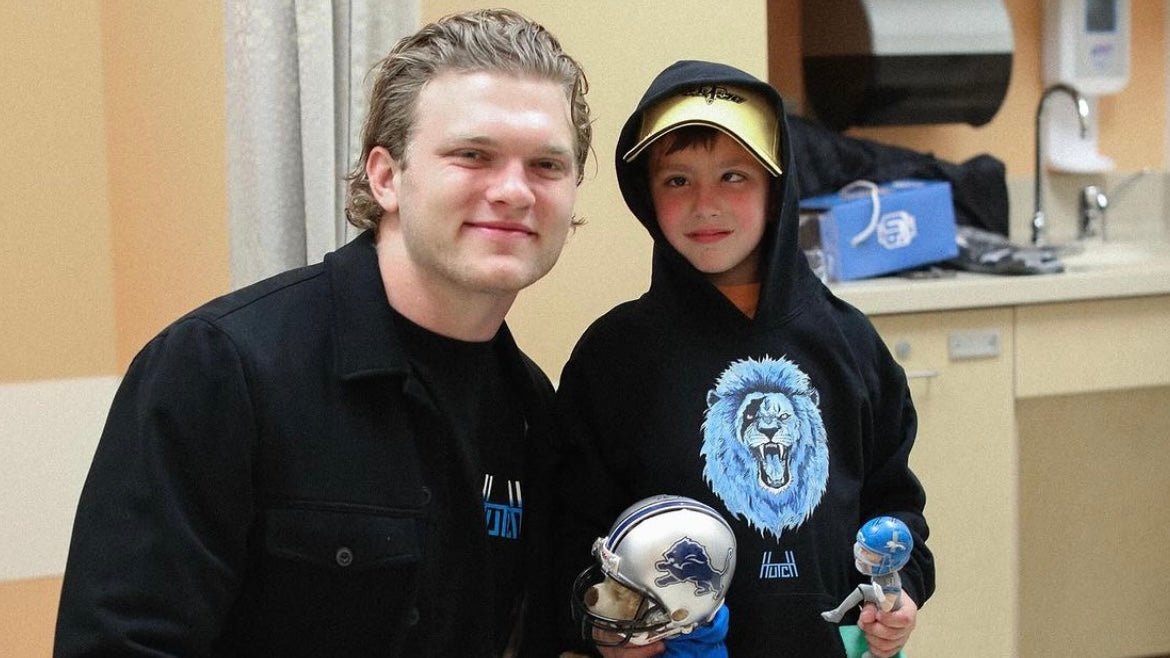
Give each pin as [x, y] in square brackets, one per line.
[48, 432]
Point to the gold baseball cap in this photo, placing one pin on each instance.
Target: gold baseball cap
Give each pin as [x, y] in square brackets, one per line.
[744, 115]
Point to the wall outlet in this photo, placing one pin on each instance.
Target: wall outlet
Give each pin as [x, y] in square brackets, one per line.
[973, 344]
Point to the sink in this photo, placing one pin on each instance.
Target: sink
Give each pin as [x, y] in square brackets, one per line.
[1108, 255]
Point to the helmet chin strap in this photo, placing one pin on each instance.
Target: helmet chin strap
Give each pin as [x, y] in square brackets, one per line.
[671, 629]
[646, 638]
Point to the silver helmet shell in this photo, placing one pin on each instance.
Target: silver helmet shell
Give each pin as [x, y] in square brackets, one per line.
[678, 554]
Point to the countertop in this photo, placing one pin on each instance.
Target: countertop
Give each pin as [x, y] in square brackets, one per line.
[1114, 271]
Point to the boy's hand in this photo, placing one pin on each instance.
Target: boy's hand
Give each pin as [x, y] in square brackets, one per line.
[888, 632]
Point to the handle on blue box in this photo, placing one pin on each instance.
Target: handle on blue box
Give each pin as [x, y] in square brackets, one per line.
[858, 188]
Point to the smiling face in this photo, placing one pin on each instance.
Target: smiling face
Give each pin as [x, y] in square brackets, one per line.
[710, 199]
[482, 201]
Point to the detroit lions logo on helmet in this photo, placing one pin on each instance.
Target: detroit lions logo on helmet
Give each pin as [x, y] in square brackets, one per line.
[767, 456]
[686, 561]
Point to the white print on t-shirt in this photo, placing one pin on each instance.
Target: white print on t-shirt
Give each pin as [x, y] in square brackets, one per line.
[502, 518]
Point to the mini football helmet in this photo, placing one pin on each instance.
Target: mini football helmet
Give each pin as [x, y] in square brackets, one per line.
[883, 546]
[675, 554]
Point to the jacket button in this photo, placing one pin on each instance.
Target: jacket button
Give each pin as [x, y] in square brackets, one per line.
[412, 617]
[344, 556]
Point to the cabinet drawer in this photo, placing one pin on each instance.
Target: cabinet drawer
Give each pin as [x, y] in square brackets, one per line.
[1100, 345]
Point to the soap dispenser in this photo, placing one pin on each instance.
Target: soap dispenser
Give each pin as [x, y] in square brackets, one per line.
[1086, 46]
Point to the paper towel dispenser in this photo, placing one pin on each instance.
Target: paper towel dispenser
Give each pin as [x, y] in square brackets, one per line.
[900, 62]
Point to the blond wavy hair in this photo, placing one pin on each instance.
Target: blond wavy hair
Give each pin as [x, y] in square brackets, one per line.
[497, 40]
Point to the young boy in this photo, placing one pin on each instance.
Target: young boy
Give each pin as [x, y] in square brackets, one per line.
[739, 380]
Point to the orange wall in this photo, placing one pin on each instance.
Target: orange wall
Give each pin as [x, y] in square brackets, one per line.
[113, 219]
[1132, 123]
[165, 118]
[55, 262]
[28, 609]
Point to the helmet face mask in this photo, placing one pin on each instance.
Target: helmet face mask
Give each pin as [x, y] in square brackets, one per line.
[624, 614]
[664, 569]
[869, 562]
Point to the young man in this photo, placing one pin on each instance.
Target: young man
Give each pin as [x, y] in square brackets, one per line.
[739, 380]
[352, 459]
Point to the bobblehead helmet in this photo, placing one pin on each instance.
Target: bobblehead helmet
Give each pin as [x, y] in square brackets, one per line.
[664, 569]
[883, 546]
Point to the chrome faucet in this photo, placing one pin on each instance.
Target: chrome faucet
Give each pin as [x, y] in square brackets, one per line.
[1095, 201]
[1039, 223]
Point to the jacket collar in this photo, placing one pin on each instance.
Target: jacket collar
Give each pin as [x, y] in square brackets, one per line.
[365, 341]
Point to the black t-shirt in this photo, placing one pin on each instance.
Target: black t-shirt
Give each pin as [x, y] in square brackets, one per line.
[478, 456]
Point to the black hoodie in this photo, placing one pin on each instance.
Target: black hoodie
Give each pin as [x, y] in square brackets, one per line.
[670, 393]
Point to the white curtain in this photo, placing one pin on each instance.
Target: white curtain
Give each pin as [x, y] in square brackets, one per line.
[296, 98]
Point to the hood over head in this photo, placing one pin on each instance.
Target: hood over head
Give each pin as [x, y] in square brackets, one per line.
[750, 111]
